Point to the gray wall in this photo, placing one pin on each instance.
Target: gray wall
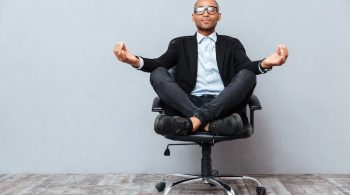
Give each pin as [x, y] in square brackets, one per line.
[67, 105]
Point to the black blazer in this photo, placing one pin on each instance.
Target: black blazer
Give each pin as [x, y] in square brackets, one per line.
[182, 54]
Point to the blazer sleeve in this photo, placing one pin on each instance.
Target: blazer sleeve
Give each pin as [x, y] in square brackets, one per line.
[167, 60]
[242, 60]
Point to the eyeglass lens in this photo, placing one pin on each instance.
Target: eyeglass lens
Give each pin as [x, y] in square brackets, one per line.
[210, 9]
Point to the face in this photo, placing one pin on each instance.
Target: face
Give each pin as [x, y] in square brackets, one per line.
[207, 21]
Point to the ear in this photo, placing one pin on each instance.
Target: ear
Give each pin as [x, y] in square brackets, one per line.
[219, 17]
[192, 17]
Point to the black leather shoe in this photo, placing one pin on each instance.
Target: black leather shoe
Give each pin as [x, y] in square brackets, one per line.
[168, 125]
[228, 126]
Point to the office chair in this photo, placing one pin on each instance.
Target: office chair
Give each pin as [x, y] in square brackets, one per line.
[206, 140]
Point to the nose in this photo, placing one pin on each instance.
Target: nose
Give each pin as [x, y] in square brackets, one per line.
[206, 13]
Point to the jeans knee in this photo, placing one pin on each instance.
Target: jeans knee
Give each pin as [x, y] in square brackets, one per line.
[248, 76]
[156, 75]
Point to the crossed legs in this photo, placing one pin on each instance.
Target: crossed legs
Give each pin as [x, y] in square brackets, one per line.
[232, 99]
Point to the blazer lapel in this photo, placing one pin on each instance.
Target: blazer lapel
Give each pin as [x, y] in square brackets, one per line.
[220, 53]
[193, 55]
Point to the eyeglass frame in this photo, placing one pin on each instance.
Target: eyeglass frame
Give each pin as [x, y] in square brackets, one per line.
[206, 9]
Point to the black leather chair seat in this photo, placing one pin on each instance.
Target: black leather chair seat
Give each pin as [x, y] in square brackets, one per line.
[200, 137]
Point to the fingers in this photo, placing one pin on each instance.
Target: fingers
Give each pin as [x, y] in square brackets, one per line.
[117, 48]
[120, 51]
[123, 47]
[278, 51]
[282, 49]
[120, 48]
[283, 52]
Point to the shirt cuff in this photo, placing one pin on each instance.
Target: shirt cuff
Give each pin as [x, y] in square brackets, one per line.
[141, 63]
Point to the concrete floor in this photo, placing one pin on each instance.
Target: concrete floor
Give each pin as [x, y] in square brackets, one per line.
[143, 184]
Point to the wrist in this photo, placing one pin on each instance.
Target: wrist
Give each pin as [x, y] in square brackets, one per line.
[135, 62]
[264, 65]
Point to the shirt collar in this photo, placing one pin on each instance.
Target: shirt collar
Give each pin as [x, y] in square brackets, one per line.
[212, 36]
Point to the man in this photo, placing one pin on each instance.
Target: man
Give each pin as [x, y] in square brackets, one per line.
[212, 77]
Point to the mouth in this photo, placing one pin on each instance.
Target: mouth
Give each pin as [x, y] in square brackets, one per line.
[206, 21]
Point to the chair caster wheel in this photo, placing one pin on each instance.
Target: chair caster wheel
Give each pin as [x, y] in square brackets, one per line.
[160, 186]
[261, 190]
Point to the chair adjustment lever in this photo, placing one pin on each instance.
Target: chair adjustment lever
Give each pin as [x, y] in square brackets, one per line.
[167, 150]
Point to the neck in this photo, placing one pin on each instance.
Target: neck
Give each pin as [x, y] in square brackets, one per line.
[205, 33]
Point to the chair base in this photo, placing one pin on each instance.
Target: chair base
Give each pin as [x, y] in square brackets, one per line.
[212, 180]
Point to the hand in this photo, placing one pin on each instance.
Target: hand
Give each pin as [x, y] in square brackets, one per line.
[276, 59]
[124, 55]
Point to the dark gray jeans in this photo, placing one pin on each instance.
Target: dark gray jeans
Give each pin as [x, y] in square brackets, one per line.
[207, 108]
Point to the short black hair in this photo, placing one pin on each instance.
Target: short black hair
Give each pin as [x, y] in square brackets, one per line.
[217, 5]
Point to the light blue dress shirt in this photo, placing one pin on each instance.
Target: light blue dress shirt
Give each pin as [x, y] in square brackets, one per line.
[208, 77]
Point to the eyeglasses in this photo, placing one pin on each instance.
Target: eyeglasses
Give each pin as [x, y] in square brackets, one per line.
[210, 9]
